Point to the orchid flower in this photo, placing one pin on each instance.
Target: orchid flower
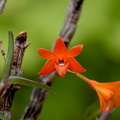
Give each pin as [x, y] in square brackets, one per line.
[108, 93]
[61, 59]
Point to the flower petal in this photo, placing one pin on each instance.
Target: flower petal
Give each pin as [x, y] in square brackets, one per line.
[103, 103]
[116, 98]
[74, 65]
[45, 53]
[75, 51]
[60, 48]
[47, 68]
[61, 69]
[102, 89]
[112, 85]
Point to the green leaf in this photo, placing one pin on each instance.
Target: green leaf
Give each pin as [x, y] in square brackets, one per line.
[92, 111]
[6, 71]
[28, 82]
[2, 117]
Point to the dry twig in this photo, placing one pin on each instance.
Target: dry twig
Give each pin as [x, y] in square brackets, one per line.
[105, 115]
[2, 51]
[7, 94]
[2, 5]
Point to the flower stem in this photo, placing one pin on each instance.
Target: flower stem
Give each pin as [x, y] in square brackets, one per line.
[81, 76]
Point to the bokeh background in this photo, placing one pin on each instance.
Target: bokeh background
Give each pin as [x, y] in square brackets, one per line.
[98, 30]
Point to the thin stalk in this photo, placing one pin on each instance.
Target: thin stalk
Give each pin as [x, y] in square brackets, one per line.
[82, 77]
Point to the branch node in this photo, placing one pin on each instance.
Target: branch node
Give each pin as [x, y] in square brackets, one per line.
[2, 51]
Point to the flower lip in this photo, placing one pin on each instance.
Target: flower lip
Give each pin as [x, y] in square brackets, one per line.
[61, 62]
[61, 69]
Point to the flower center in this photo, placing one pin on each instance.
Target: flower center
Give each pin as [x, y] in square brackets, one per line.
[61, 62]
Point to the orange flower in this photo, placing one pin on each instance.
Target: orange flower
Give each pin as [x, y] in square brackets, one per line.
[61, 59]
[108, 93]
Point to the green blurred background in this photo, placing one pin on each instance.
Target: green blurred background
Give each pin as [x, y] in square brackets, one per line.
[98, 30]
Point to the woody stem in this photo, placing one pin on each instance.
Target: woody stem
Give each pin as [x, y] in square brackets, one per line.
[67, 32]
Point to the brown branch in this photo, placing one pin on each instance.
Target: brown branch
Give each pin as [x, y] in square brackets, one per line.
[38, 95]
[2, 5]
[8, 91]
[70, 23]
[2, 51]
[105, 115]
